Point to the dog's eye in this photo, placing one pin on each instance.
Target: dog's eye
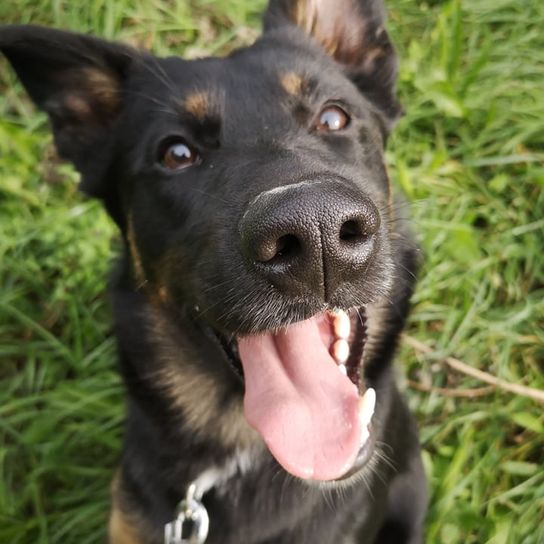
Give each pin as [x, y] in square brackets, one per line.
[332, 118]
[177, 154]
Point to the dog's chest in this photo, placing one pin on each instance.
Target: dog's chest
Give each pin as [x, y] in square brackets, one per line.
[263, 505]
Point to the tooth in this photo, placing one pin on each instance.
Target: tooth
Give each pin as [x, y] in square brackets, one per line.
[366, 408]
[343, 370]
[341, 324]
[340, 351]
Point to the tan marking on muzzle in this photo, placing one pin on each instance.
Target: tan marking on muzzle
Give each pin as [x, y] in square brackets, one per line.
[198, 395]
[135, 253]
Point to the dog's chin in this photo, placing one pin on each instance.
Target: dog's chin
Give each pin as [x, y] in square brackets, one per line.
[295, 376]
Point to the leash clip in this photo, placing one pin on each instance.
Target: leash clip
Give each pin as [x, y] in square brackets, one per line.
[192, 523]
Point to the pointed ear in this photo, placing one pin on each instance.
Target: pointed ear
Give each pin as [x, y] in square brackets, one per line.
[78, 81]
[353, 33]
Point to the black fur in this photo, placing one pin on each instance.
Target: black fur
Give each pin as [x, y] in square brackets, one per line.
[183, 282]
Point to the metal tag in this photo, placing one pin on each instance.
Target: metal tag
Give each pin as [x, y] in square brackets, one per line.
[192, 523]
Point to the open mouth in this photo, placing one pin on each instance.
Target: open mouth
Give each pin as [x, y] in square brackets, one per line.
[305, 393]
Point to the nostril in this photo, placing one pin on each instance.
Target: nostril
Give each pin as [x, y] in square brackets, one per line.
[352, 231]
[283, 248]
[288, 246]
[358, 228]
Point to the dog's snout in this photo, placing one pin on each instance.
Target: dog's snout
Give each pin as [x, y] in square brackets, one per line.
[310, 237]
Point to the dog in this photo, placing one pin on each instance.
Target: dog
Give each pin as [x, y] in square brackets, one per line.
[265, 279]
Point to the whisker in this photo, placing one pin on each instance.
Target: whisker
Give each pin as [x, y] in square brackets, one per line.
[147, 97]
[211, 195]
[160, 73]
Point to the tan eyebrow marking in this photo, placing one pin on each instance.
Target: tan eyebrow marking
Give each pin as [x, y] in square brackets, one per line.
[292, 83]
[198, 104]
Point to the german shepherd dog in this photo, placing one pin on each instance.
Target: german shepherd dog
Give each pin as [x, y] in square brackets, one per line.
[264, 281]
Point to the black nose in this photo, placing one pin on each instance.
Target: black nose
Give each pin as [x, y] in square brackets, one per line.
[310, 237]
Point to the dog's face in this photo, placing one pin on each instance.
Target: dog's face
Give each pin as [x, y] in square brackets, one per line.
[252, 194]
[219, 172]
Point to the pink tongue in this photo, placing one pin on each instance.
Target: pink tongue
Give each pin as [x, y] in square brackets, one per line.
[303, 407]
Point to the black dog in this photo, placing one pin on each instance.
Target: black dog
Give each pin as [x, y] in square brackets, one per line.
[262, 258]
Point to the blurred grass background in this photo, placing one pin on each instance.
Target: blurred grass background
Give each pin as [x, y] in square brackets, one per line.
[469, 155]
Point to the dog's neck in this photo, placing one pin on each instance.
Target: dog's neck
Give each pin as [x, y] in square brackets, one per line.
[218, 476]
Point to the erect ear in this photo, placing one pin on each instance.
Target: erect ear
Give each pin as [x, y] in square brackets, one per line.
[78, 81]
[353, 33]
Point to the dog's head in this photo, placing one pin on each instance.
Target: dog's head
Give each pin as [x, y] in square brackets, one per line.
[251, 192]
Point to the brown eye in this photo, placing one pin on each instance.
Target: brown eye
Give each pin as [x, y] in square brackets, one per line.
[332, 118]
[177, 155]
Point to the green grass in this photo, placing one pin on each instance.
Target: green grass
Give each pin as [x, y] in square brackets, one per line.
[469, 155]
